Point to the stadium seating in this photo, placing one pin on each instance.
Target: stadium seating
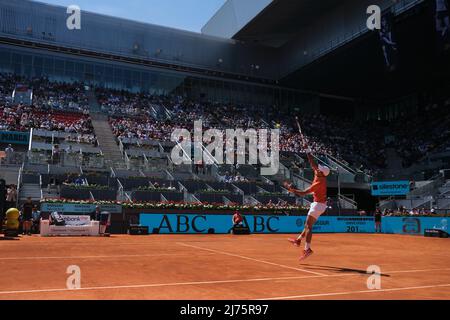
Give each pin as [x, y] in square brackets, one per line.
[143, 124]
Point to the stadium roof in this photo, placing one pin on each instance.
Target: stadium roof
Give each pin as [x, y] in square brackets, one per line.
[268, 22]
[233, 16]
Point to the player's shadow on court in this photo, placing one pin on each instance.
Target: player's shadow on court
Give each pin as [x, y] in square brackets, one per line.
[340, 270]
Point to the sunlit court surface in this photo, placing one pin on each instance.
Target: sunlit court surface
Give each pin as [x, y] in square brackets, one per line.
[223, 267]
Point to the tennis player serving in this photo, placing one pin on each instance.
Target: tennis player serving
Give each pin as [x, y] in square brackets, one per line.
[318, 207]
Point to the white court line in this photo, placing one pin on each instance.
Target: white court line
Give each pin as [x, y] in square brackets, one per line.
[355, 292]
[251, 259]
[94, 257]
[194, 283]
[159, 285]
[419, 270]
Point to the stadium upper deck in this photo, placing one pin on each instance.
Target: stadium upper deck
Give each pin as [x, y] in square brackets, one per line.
[273, 39]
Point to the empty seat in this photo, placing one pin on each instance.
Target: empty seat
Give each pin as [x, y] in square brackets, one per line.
[146, 196]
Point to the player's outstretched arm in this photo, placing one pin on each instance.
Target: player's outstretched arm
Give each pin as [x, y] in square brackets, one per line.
[300, 193]
[312, 161]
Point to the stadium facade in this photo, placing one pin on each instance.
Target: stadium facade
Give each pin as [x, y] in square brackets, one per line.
[124, 54]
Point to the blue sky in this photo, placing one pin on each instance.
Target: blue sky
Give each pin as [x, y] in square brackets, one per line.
[181, 14]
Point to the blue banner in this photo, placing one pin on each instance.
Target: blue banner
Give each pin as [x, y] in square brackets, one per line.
[390, 188]
[413, 225]
[14, 137]
[222, 224]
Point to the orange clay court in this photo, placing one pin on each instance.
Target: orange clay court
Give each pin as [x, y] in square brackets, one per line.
[225, 267]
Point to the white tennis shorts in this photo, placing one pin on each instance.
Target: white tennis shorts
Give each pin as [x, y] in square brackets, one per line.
[317, 209]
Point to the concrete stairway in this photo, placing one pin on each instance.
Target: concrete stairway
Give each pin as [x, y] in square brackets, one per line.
[94, 106]
[10, 174]
[32, 190]
[107, 141]
[105, 137]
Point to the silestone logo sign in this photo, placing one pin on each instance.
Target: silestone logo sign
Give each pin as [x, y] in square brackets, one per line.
[390, 188]
[235, 142]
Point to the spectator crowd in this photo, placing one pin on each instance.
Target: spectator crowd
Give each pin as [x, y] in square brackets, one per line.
[55, 106]
[143, 117]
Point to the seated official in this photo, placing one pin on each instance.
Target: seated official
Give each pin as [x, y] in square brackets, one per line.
[237, 219]
[105, 221]
[36, 215]
[239, 226]
[96, 215]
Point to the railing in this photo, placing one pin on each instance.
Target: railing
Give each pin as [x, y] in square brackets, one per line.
[121, 147]
[19, 183]
[442, 202]
[210, 156]
[435, 182]
[170, 163]
[169, 175]
[127, 160]
[186, 156]
[347, 203]
[37, 157]
[320, 161]
[299, 158]
[169, 114]
[214, 165]
[251, 201]
[342, 164]
[193, 198]
[284, 171]
[301, 182]
[31, 139]
[146, 162]
[238, 190]
[161, 148]
[77, 159]
[226, 200]
[217, 175]
[40, 186]
[120, 189]
[154, 113]
[408, 203]
[95, 161]
[72, 159]
[266, 180]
